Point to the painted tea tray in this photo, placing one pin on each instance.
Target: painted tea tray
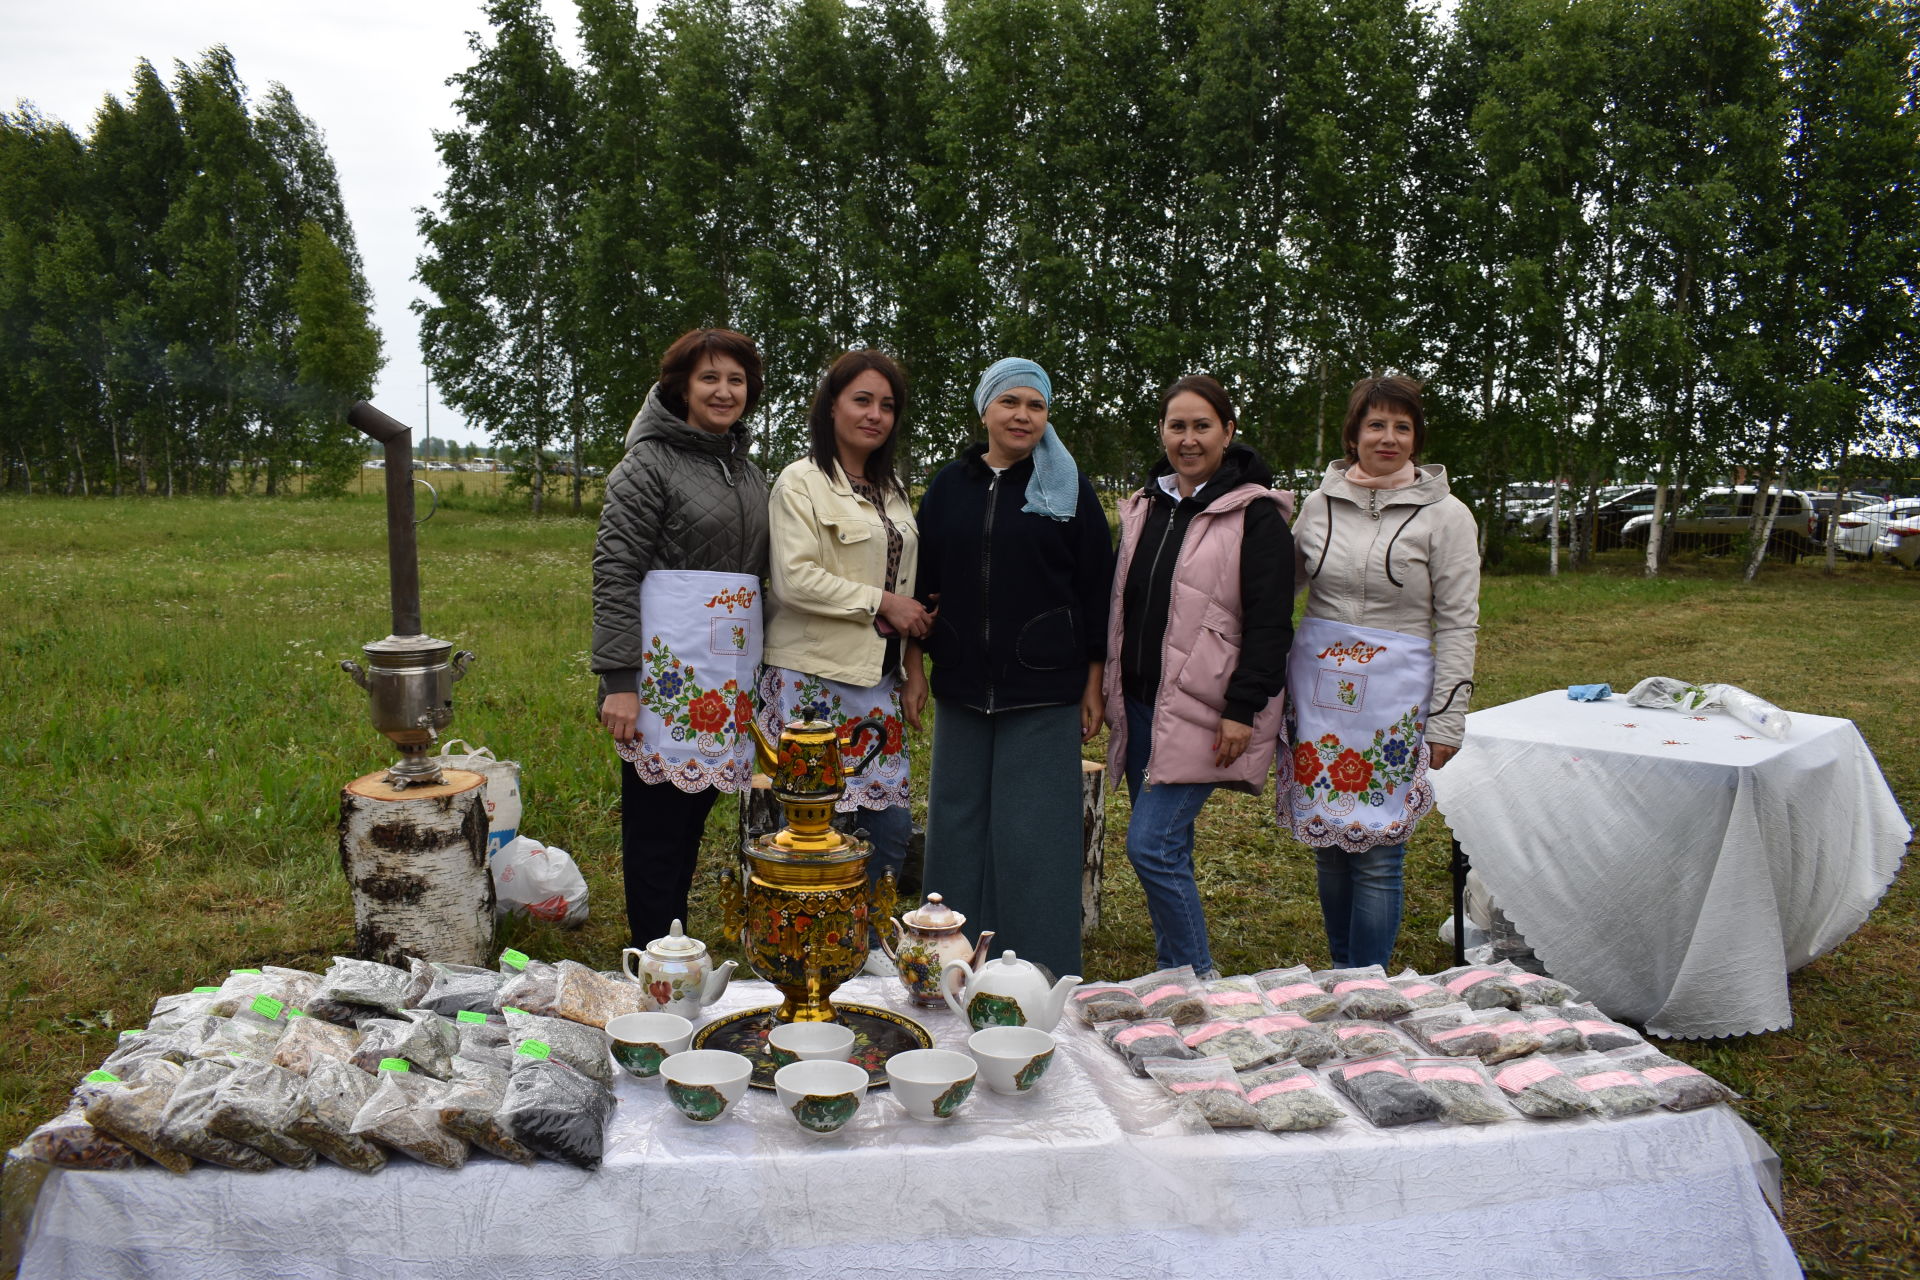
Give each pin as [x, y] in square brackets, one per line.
[878, 1034]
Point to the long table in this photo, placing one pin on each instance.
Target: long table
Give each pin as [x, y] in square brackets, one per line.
[1096, 1174]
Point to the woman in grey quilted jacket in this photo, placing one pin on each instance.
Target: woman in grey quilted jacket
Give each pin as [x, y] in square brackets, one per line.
[677, 571]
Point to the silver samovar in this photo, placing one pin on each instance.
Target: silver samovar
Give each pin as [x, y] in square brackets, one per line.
[409, 675]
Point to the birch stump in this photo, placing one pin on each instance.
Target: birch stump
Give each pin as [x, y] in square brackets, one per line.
[1093, 841]
[416, 861]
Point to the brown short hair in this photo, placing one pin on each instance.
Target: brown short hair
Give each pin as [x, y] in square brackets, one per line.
[822, 447]
[684, 356]
[1207, 388]
[1392, 391]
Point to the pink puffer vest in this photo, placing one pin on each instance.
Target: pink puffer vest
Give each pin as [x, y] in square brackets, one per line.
[1201, 648]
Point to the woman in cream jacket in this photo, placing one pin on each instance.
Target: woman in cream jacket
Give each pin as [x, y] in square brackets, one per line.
[1382, 665]
[844, 552]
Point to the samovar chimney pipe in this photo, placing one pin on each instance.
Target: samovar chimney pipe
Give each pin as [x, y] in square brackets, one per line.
[403, 551]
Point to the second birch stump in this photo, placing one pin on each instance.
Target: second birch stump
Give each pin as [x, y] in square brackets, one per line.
[416, 862]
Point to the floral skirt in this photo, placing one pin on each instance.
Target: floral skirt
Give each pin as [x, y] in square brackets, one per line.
[1356, 726]
[792, 695]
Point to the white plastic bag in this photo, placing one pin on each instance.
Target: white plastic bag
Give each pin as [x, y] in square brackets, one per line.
[540, 881]
[1677, 695]
[503, 788]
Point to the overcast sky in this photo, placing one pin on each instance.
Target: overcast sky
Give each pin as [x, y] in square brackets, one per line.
[371, 75]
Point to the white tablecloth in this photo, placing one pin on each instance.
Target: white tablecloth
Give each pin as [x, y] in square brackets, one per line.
[1674, 867]
[1095, 1174]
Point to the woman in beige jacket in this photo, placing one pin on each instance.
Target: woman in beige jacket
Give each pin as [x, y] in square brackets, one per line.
[1382, 665]
[844, 552]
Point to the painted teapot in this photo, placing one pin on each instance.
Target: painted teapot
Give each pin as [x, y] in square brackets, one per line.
[677, 972]
[930, 938]
[1008, 992]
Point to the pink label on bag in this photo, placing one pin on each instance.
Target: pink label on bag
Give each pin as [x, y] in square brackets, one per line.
[1414, 990]
[1368, 1068]
[1087, 993]
[1161, 993]
[1523, 1073]
[1440, 1037]
[1657, 1074]
[1606, 1080]
[1472, 978]
[1599, 1028]
[1360, 984]
[1288, 1085]
[1277, 1022]
[1524, 979]
[1208, 1032]
[1465, 1075]
[1191, 1086]
[1295, 991]
[1225, 999]
[1508, 1027]
[1544, 1025]
[1348, 1033]
[1144, 1029]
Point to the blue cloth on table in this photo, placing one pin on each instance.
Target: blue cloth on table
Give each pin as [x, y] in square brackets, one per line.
[1589, 692]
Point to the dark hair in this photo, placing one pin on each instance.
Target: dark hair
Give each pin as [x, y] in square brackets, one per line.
[1391, 391]
[683, 357]
[824, 449]
[1207, 388]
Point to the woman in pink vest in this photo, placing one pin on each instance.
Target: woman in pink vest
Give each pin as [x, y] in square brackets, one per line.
[1201, 619]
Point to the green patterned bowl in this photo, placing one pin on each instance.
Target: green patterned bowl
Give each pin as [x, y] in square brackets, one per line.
[821, 1095]
[931, 1083]
[704, 1083]
[642, 1041]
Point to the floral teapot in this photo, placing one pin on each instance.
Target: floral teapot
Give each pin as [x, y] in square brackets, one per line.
[1008, 992]
[677, 972]
[929, 938]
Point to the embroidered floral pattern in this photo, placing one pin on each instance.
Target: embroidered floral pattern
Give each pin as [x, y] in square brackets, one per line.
[706, 720]
[1334, 783]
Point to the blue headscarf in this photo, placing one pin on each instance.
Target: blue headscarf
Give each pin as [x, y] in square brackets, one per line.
[1054, 491]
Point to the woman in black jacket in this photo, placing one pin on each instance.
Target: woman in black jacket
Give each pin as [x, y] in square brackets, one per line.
[1015, 556]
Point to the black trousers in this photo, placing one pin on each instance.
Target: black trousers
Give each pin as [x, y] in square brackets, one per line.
[660, 828]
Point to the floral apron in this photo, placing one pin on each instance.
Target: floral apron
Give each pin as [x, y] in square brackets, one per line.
[703, 647]
[1356, 722]
[787, 695]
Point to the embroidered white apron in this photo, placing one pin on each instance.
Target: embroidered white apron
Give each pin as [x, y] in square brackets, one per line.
[1356, 725]
[787, 695]
[703, 647]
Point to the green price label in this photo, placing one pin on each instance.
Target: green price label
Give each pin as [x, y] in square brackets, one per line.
[510, 1009]
[267, 1007]
[254, 972]
[468, 1015]
[101, 1077]
[518, 959]
[137, 1031]
[206, 991]
[295, 1013]
[395, 1064]
[534, 1048]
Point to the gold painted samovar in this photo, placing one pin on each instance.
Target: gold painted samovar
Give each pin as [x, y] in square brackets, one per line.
[801, 906]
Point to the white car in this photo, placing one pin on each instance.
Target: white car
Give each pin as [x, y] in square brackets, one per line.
[1860, 531]
[1901, 542]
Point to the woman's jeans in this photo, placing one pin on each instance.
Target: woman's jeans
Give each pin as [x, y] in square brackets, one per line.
[887, 830]
[1360, 902]
[1160, 847]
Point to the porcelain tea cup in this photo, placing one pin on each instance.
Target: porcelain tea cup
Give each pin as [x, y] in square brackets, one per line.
[1012, 1059]
[642, 1041]
[809, 1042]
[703, 1083]
[821, 1094]
[931, 1083]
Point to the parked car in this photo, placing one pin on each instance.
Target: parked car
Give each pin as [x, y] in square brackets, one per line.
[1901, 542]
[1618, 505]
[1717, 520]
[1860, 531]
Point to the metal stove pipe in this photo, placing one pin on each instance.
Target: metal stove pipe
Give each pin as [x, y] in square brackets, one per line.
[403, 550]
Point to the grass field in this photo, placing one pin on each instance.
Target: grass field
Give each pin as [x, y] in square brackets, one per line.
[175, 733]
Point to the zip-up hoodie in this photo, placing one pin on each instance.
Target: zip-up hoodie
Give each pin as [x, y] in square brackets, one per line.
[1022, 597]
[1405, 560]
[681, 498]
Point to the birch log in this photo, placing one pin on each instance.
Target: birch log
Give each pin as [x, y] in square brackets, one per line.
[1093, 841]
[416, 861]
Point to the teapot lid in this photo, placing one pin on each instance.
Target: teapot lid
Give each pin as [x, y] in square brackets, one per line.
[934, 913]
[676, 943]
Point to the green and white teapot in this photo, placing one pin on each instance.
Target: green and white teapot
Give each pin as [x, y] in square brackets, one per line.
[1008, 992]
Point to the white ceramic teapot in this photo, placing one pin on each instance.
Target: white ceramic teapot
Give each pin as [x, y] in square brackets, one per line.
[677, 972]
[1008, 992]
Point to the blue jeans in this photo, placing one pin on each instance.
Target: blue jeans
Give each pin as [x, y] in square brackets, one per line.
[1160, 847]
[1360, 902]
[887, 830]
